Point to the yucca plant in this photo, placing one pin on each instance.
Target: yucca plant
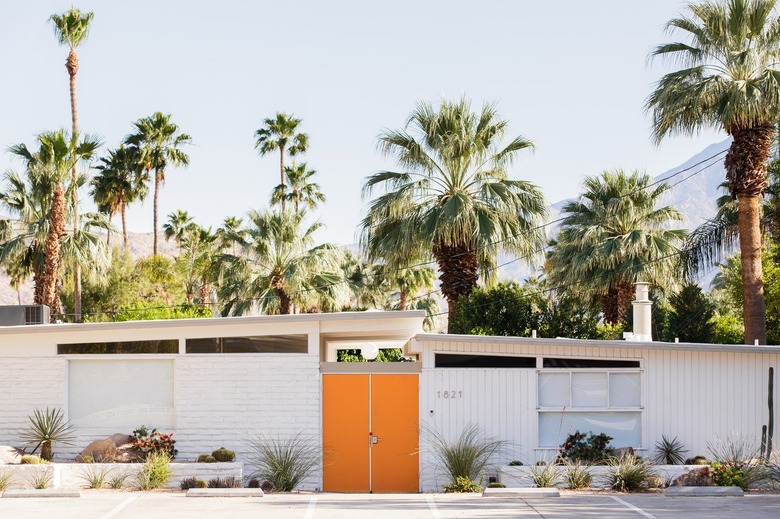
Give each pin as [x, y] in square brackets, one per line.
[467, 456]
[545, 475]
[47, 427]
[577, 474]
[117, 479]
[283, 462]
[669, 452]
[5, 479]
[94, 477]
[41, 480]
[629, 473]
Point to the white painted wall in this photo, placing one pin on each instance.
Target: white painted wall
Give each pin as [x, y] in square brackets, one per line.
[694, 392]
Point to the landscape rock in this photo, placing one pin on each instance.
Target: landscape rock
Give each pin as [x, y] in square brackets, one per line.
[121, 440]
[125, 452]
[702, 477]
[101, 451]
[9, 455]
[622, 452]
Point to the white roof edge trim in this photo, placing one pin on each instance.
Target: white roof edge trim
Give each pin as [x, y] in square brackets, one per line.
[591, 343]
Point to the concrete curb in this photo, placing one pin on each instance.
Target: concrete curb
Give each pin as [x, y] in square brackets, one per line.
[704, 492]
[224, 492]
[521, 492]
[44, 492]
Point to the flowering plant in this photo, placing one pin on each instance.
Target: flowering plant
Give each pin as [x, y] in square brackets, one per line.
[729, 474]
[154, 441]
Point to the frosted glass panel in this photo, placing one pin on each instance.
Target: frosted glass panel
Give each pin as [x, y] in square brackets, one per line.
[120, 395]
[624, 427]
[589, 389]
[554, 390]
[624, 390]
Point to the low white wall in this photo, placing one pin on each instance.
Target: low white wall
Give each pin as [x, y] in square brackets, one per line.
[521, 476]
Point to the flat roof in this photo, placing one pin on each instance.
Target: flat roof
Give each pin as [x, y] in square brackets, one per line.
[211, 321]
[591, 343]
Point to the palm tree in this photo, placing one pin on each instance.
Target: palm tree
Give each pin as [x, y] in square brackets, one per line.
[179, 224]
[454, 201]
[278, 266]
[71, 29]
[54, 159]
[613, 236]
[729, 80]
[158, 142]
[298, 188]
[280, 134]
[117, 184]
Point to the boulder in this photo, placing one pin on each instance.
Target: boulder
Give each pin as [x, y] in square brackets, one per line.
[695, 478]
[101, 451]
[9, 455]
[622, 452]
[121, 440]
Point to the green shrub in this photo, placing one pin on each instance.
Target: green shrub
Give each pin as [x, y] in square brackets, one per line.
[284, 462]
[87, 459]
[202, 458]
[669, 452]
[577, 474]
[155, 472]
[629, 473]
[226, 482]
[545, 475]
[223, 455]
[188, 483]
[591, 448]
[117, 479]
[496, 484]
[462, 484]
[515, 463]
[727, 329]
[735, 461]
[729, 475]
[697, 460]
[467, 456]
[31, 459]
[154, 441]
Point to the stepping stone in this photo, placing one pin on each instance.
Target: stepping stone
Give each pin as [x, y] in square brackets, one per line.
[521, 492]
[224, 492]
[704, 491]
[45, 492]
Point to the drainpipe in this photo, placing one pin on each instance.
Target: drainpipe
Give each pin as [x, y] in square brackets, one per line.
[643, 310]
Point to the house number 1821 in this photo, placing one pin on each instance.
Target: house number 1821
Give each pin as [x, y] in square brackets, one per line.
[449, 394]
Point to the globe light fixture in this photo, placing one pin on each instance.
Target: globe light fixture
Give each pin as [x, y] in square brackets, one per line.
[369, 351]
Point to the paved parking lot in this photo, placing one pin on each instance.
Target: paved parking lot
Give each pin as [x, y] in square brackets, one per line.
[129, 505]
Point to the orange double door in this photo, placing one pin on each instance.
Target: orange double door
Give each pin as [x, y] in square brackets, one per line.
[370, 436]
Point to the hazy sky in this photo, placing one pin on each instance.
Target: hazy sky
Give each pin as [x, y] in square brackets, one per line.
[572, 76]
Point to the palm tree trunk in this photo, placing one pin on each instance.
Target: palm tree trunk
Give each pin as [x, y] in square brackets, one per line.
[402, 303]
[752, 271]
[157, 182]
[72, 64]
[108, 231]
[459, 269]
[123, 210]
[281, 171]
[614, 303]
[52, 248]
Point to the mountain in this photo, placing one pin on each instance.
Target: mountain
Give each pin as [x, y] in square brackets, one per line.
[695, 189]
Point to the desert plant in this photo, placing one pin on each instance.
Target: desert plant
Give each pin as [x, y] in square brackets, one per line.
[736, 461]
[188, 483]
[577, 474]
[284, 462]
[591, 448]
[5, 479]
[462, 484]
[697, 460]
[496, 484]
[47, 427]
[154, 441]
[94, 477]
[155, 472]
[629, 473]
[467, 456]
[545, 475]
[253, 483]
[226, 482]
[515, 463]
[206, 458]
[87, 459]
[117, 479]
[31, 459]
[669, 452]
[41, 480]
[223, 455]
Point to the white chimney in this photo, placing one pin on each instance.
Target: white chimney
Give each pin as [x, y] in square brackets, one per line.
[643, 310]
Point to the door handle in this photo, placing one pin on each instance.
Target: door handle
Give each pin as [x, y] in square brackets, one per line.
[374, 439]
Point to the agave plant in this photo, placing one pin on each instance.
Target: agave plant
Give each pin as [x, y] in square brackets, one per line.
[46, 427]
[669, 452]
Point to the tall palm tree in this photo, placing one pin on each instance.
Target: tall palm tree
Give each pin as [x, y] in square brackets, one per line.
[40, 203]
[298, 188]
[454, 200]
[728, 79]
[117, 184]
[178, 226]
[280, 134]
[278, 266]
[71, 29]
[158, 142]
[613, 236]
